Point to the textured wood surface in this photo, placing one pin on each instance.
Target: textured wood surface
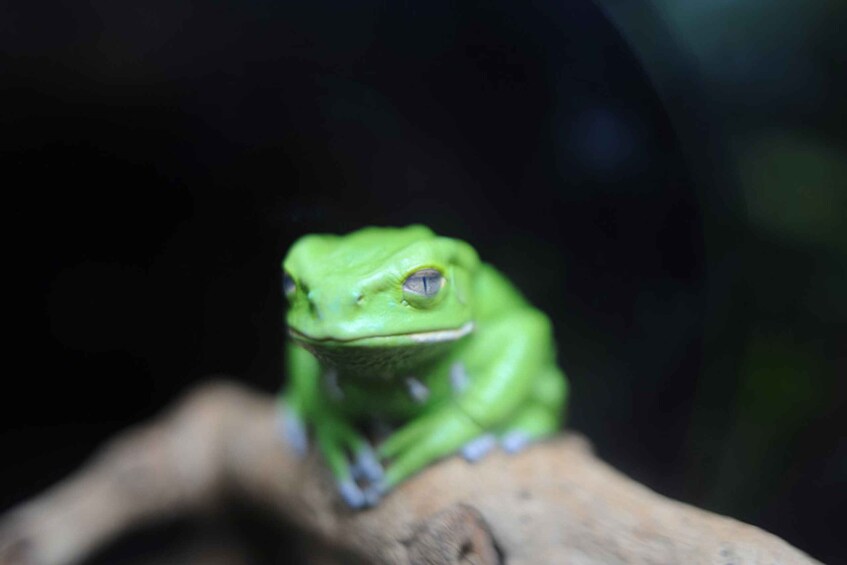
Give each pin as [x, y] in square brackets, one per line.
[553, 503]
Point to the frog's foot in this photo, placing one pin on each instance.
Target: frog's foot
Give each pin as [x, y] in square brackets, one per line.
[478, 447]
[292, 430]
[352, 460]
[533, 423]
[515, 441]
[367, 467]
[361, 490]
[352, 494]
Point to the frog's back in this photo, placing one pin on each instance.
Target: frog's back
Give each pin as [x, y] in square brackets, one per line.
[495, 296]
[371, 245]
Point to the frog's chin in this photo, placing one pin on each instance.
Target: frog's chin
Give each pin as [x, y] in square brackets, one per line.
[391, 340]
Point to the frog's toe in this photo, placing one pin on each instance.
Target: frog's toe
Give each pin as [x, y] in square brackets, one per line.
[292, 430]
[378, 489]
[367, 465]
[373, 494]
[515, 441]
[353, 496]
[478, 447]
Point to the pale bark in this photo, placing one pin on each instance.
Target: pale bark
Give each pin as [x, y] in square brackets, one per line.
[553, 503]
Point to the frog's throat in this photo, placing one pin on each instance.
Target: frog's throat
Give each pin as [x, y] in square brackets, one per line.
[435, 336]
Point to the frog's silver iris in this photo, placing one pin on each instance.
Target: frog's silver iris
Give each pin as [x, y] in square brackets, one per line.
[426, 282]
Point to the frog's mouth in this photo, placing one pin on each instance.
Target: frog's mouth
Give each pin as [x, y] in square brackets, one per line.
[387, 340]
[380, 356]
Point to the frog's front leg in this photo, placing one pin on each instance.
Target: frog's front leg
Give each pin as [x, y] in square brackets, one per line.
[424, 440]
[501, 365]
[310, 403]
[350, 458]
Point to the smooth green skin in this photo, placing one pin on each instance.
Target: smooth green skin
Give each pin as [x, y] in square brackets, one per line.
[357, 337]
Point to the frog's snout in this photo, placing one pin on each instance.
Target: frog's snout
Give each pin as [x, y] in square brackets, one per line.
[330, 307]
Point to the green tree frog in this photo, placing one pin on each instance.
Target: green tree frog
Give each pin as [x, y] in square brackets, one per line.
[406, 348]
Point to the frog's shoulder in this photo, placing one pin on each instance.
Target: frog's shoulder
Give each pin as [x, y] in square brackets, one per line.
[494, 294]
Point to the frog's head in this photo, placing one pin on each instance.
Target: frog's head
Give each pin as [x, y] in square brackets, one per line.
[379, 288]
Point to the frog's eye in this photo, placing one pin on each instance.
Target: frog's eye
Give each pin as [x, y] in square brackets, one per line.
[289, 287]
[426, 283]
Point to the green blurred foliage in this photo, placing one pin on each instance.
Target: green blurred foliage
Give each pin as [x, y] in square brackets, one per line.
[795, 188]
[780, 385]
[756, 91]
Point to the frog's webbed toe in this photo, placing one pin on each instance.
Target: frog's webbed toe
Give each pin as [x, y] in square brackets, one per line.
[374, 493]
[292, 430]
[478, 447]
[367, 466]
[352, 460]
[532, 424]
[352, 495]
[515, 441]
[364, 488]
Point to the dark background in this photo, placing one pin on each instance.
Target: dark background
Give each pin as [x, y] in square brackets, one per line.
[667, 182]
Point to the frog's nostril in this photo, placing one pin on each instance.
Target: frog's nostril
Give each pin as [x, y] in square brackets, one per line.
[360, 299]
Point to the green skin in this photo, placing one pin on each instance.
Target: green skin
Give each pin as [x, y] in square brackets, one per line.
[391, 375]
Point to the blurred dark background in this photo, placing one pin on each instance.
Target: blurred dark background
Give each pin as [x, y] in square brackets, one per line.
[668, 180]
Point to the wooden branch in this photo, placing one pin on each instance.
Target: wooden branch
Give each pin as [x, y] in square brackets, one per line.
[553, 503]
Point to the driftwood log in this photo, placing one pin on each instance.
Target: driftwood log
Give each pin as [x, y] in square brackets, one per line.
[553, 503]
